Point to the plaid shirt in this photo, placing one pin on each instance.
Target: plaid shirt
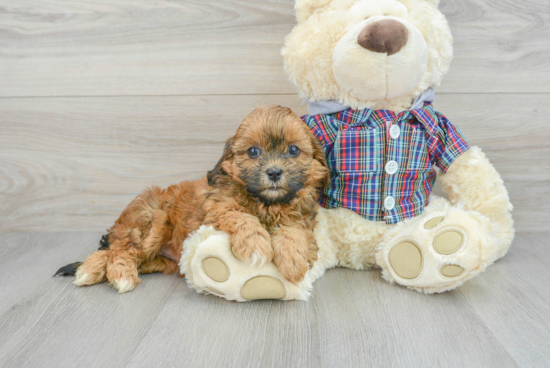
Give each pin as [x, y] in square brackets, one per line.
[383, 172]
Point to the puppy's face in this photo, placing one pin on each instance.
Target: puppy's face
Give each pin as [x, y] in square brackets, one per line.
[273, 155]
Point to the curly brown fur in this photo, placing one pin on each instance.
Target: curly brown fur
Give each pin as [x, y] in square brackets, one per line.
[268, 216]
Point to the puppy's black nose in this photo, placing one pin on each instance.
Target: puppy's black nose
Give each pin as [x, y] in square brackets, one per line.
[274, 174]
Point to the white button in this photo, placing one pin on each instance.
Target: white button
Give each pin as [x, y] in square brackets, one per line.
[391, 167]
[395, 130]
[389, 203]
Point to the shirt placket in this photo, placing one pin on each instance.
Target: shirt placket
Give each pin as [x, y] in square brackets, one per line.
[392, 166]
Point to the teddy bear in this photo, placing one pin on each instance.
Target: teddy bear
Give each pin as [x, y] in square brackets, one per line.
[367, 70]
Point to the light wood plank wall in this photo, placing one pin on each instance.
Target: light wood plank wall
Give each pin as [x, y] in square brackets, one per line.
[99, 99]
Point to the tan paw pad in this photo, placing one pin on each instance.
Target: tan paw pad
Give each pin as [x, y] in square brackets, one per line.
[216, 269]
[448, 242]
[430, 224]
[263, 287]
[451, 270]
[406, 260]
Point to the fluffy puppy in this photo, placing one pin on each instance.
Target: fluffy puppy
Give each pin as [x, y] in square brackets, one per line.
[263, 192]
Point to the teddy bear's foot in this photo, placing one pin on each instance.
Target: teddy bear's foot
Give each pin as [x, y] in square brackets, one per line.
[210, 266]
[406, 259]
[438, 251]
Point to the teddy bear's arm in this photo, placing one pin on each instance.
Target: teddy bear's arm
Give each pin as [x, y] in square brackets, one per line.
[447, 143]
[473, 182]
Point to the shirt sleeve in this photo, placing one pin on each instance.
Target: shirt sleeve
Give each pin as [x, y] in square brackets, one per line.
[447, 144]
[324, 127]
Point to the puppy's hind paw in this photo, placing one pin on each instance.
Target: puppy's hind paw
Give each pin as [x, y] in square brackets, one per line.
[86, 276]
[82, 279]
[124, 285]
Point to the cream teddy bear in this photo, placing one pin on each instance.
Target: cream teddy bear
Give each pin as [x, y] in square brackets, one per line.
[367, 69]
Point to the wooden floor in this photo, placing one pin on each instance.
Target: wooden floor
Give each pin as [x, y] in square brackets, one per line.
[101, 98]
[354, 318]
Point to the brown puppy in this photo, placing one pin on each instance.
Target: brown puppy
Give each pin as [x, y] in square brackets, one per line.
[263, 192]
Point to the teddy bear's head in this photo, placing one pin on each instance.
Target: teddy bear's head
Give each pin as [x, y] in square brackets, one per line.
[379, 54]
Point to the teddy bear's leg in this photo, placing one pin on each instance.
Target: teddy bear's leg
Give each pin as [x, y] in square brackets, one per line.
[473, 182]
[452, 241]
[351, 238]
[210, 266]
[439, 249]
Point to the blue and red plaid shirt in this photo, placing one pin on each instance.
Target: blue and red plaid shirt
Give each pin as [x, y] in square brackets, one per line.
[383, 172]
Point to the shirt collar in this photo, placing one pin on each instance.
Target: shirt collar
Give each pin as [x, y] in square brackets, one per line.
[327, 107]
[352, 118]
[427, 117]
[421, 109]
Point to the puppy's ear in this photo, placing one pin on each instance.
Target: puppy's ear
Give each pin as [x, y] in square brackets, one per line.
[318, 152]
[223, 164]
[321, 172]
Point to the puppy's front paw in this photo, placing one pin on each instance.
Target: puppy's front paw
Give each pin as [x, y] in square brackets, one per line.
[293, 267]
[252, 244]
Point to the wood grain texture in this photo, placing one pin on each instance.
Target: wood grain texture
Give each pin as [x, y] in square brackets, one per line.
[367, 322]
[26, 261]
[75, 163]
[257, 334]
[513, 300]
[60, 324]
[354, 318]
[499, 46]
[106, 47]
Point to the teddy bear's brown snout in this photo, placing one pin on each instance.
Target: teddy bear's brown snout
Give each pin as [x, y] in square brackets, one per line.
[385, 36]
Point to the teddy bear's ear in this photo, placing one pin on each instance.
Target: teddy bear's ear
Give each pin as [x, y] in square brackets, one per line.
[304, 8]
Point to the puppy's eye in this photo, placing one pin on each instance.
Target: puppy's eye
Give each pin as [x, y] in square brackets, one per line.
[254, 152]
[293, 151]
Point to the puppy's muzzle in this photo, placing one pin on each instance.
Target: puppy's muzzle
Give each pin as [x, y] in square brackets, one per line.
[274, 174]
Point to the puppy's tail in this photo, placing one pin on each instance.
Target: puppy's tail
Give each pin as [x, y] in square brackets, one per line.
[92, 270]
[68, 270]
